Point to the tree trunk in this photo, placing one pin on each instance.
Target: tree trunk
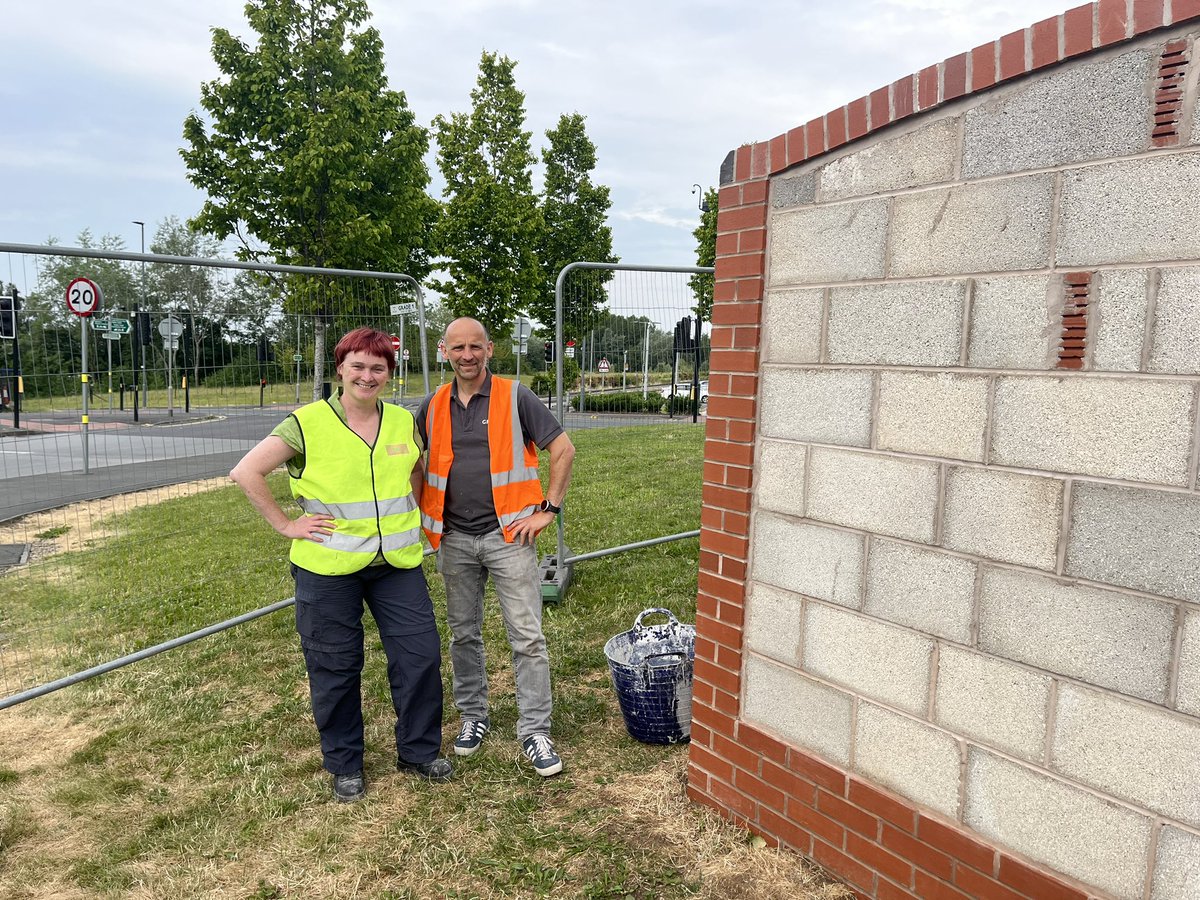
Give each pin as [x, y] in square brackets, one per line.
[319, 329]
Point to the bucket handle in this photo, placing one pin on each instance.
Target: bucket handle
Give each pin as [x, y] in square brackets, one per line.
[682, 657]
[637, 623]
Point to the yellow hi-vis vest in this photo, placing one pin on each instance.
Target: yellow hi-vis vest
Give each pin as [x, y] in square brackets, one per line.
[366, 489]
[516, 490]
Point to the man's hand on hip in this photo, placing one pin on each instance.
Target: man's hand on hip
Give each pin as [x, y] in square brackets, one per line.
[526, 530]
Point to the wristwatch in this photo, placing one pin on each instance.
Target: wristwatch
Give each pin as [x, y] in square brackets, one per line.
[549, 507]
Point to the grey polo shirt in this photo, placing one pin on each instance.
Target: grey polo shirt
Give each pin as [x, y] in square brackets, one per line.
[469, 505]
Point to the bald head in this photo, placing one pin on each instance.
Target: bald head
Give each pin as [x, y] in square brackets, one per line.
[468, 323]
[468, 348]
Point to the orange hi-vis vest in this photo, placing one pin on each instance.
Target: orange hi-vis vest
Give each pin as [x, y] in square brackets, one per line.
[516, 488]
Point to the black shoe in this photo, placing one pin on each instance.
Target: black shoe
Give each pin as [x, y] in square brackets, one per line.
[350, 787]
[436, 770]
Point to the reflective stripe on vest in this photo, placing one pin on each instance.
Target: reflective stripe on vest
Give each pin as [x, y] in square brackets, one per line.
[367, 491]
[516, 488]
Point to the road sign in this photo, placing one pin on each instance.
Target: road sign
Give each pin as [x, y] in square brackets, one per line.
[111, 336]
[117, 326]
[395, 342]
[571, 349]
[170, 327]
[298, 357]
[170, 344]
[406, 355]
[403, 309]
[602, 366]
[83, 296]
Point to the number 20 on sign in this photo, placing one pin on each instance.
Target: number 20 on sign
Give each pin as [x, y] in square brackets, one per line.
[83, 296]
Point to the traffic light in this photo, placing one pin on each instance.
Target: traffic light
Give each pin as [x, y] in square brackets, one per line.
[143, 326]
[549, 351]
[265, 353]
[684, 339]
[8, 319]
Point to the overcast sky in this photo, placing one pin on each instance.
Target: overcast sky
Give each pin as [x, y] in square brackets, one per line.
[94, 92]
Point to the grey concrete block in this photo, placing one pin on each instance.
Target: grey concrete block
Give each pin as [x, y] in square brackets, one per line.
[1068, 829]
[1080, 112]
[806, 712]
[791, 326]
[1004, 516]
[1117, 314]
[1177, 866]
[774, 623]
[1136, 538]
[933, 414]
[1176, 346]
[902, 324]
[1138, 430]
[886, 495]
[793, 190]
[820, 244]
[830, 406]
[1187, 697]
[992, 701]
[923, 156]
[880, 661]
[1106, 639]
[1016, 322]
[1137, 752]
[1131, 211]
[923, 589]
[799, 556]
[912, 759]
[990, 226]
[780, 480]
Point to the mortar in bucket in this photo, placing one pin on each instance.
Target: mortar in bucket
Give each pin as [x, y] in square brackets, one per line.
[651, 669]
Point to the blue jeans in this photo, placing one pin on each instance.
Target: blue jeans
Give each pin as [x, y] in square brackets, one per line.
[329, 620]
[465, 562]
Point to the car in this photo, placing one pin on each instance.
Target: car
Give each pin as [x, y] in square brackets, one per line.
[684, 389]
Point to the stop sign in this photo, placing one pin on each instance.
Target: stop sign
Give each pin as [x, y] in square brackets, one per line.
[395, 342]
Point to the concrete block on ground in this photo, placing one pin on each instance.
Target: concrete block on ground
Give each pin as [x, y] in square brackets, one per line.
[1139, 430]
[1107, 639]
[791, 330]
[988, 226]
[923, 589]
[1065, 827]
[820, 244]
[1188, 693]
[780, 481]
[910, 758]
[1146, 755]
[900, 324]
[830, 406]
[1094, 110]
[933, 414]
[881, 661]
[806, 712]
[1003, 516]
[1130, 211]
[1016, 321]
[1177, 870]
[992, 701]
[774, 623]
[1137, 538]
[924, 156]
[886, 495]
[1117, 314]
[1176, 345]
[808, 559]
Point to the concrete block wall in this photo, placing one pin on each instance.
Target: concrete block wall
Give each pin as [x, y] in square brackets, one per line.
[948, 627]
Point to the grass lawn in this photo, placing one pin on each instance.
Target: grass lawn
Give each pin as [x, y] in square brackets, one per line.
[197, 773]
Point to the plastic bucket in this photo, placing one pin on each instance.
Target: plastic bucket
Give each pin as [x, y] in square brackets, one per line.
[651, 669]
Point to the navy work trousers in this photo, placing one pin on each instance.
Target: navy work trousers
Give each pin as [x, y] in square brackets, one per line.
[329, 620]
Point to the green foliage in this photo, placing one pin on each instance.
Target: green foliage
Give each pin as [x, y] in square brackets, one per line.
[706, 255]
[622, 402]
[491, 226]
[575, 212]
[307, 150]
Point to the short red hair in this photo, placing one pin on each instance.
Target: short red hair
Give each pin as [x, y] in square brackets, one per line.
[370, 341]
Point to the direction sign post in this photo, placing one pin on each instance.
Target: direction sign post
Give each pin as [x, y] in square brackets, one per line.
[83, 299]
[170, 328]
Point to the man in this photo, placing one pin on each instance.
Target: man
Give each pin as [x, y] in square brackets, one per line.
[482, 509]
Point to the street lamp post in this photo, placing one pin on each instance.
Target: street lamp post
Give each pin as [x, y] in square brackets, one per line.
[140, 337]
[701, 203]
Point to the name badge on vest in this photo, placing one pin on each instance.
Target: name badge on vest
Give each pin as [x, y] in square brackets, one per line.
[397, 449]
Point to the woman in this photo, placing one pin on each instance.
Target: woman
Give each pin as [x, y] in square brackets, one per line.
[356, 473]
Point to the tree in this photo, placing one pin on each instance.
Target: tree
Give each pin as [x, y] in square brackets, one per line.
[706, 254]
[309, 152]
[491, 225]
[574, 210]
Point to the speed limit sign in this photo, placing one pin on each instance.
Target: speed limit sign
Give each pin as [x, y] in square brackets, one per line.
[83, 296]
